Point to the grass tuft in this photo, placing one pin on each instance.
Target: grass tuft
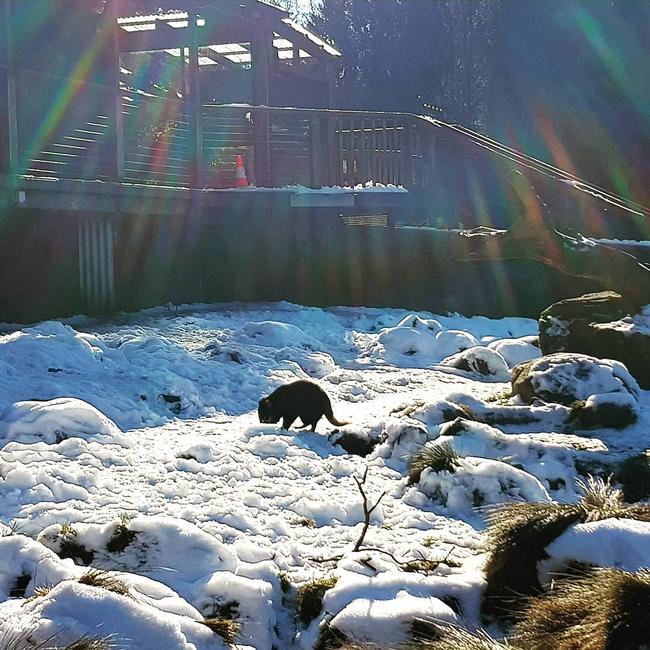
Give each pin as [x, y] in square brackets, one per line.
[87, 644]
[70, 548]
[309, 599]
[121, 538]
[225, 628]
[437, 457]
[452, 637]
[604, 610]
[285, 582]
[332, 639]
[518, 534]
[105, 580]
[24, 640]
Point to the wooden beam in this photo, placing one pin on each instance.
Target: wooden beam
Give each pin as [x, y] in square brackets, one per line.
[12, 108]
[116, 114]
[219, 57]
[301, 41]
[196, 126]
[174, 38]
[261, 46]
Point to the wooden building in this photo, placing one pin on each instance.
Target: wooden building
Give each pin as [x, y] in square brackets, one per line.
[121, 122]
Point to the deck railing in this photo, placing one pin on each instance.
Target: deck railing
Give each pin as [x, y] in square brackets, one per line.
[72, 129]
[57, 127]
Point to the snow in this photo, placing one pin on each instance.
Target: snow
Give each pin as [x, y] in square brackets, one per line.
[550, 458]
[610, 543]
[638, 324]
[516, 351]
[478, 482]
[136, 443]
[56, 420]
[388, 621]
[580, 376]
[481, 360]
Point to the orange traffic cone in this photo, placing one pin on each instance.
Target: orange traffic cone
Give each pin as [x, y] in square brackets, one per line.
[240, 173]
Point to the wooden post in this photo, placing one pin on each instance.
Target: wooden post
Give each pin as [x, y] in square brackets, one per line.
[12, 107]
[196, 126]
[114, 81]
[316, 151]
[261, 45]
[408, 150]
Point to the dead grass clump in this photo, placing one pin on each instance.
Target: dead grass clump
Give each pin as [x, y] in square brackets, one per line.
[24, 640]
[439, 458]
[602, 501]
[87, 644]
[606, 609]
[453, 637]
[449, 637]
[39, 592]
[105, 580]
[309, 599]
[331, 639]
[42, 591]
[518, 533]
[225, 628]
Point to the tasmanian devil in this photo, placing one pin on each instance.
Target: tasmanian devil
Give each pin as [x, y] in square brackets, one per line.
[300, 399]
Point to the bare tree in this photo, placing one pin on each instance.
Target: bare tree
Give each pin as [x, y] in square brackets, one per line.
[367, 511]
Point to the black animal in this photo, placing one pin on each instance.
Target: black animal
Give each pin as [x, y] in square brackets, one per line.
[300, 399]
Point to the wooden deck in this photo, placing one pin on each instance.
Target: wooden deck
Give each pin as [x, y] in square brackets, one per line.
[114, 199]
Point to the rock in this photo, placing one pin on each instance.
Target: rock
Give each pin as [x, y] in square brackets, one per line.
[601, 325]
[518, 350]
[564, 378]
[480, 360]
[357, 443]
[612, 410]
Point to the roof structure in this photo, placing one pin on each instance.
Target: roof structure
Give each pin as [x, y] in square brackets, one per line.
[225, 30]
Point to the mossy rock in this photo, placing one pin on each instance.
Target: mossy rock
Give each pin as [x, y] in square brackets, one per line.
[581, 325]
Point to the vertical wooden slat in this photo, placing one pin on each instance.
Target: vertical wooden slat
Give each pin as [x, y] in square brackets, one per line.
[316, 150]
[342, 170]
[102, 292]
[115, 113]
[384, 157]
[332, 152]
[196, 131]
[408, 153]
[364, 170]
[261, 46]
[110, 264]
[400, 146]
[376, 140]
[393, 153]
[12, 109]
[82, 262]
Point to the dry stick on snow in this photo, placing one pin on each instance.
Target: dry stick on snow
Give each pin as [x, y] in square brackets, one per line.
[366, 510]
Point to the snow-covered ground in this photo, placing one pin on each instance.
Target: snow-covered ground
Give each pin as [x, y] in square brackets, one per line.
[135, 446]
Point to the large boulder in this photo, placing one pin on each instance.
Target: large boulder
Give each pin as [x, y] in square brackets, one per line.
[601, 325]
[565, 378]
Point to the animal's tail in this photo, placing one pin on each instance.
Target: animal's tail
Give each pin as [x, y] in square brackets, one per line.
[337, 423]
